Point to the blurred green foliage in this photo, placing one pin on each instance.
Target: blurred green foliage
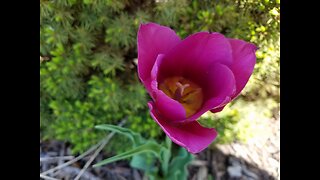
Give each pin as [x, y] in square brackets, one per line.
[88, 70]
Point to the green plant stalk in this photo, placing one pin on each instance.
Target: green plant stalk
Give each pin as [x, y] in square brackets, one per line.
[166, 155]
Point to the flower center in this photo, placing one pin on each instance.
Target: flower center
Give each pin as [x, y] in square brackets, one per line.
[186, 92]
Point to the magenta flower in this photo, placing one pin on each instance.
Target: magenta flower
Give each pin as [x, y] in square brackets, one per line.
[189, 77]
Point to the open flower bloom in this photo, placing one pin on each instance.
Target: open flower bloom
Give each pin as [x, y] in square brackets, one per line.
[189, 77]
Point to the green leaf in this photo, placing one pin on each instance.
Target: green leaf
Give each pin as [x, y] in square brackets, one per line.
[136, 138]
[178, 166]
[144, 162]
[150, 146]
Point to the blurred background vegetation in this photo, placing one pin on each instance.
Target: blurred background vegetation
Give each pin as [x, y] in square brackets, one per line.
[88, 73]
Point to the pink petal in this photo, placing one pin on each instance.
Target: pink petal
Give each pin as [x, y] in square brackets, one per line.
[244, 61]
[196, 53]
[191, 136]
[168, 107]
[213, 103]
[153, 39]
[155, 71]
[218, 85]
[215, 110]
[218, 81]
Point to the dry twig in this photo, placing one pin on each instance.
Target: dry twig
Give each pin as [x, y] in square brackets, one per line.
[54, 159]
[47, 177]
[95, 155]
[98, 145]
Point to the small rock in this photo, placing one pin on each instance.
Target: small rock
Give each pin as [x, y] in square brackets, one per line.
[202, 173]
[234, 161]
[234, 171]
[249, 174]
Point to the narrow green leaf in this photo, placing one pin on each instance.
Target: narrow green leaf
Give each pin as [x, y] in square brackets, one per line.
[136, 138]
[147, 147]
